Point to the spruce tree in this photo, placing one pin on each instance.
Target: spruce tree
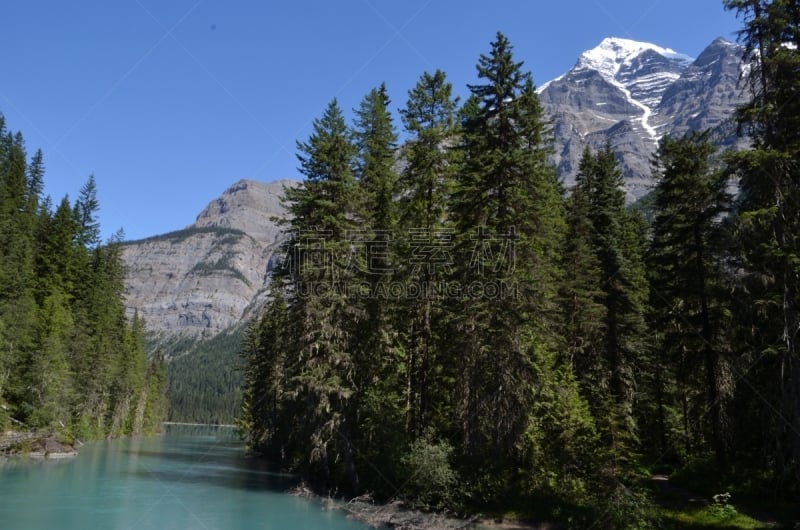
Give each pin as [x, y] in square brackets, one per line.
[376, 347]
[265, 406]
[768, 223]
[86, 208]
[583, 289]
[376, 141]
[430, 120]
[689, 289]
[323, 213]
[55, 258]
[508, 214]
[618, 245]
[431, 162]
[35, 182]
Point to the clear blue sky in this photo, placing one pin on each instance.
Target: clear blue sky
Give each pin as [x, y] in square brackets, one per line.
[168, 102]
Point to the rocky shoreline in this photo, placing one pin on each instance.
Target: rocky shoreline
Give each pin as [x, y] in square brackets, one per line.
[35, 445]
[398, 516]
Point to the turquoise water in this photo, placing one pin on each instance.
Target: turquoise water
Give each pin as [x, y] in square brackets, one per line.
[190, 478]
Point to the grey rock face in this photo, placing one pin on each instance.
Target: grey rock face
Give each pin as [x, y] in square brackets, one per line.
[247, 206]
[210, 276]
[631, 94]
[704, 96]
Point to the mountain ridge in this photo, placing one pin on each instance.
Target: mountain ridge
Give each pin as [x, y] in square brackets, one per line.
[212, 275]
[631, 93]
[209, 276]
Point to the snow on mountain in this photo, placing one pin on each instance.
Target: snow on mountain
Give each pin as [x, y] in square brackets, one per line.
[621, 62]
[631, 93]
[609, 57]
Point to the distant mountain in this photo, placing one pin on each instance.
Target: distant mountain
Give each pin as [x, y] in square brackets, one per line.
[197, 287]
[208, 277]
[632, 93]
[211, 276]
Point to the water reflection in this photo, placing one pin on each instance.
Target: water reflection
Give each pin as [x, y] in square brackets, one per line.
[191, 477]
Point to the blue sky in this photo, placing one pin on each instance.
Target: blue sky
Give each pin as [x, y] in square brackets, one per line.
[168, 102]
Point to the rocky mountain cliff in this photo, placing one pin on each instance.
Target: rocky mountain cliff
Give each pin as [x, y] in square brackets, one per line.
[209, 276]
[632, 93]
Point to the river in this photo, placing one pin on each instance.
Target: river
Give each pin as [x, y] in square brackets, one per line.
[189, 478]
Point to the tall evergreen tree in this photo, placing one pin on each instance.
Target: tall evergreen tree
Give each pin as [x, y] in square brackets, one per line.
[686, 264]
[583, 288]
[323, 213]
[375, 343]
[55, 259]
[430, 120]
[768, 223]
[508, 212]
[606, 303]
[68, 360]
[618, 243]
[35, 181]
[431, 162]
[376, 141]
[264, 403]
[86, 208]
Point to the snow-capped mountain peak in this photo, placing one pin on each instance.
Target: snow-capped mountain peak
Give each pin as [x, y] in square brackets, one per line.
[632, 93]
[613, 53]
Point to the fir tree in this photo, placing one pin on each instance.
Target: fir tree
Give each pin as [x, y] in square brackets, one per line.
[508, 213]
[618, 247]
[323, 210]
[431, 162]
[768, 223]
[68, 360]
[583, 289]
[686, 264]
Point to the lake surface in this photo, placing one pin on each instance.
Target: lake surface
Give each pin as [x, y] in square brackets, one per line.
[189, 478]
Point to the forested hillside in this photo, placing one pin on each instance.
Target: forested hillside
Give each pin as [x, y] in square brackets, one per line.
[205, 381]
[69, 360]
[462, 333]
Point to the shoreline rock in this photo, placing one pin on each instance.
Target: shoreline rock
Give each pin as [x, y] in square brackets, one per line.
[398, 516]
[34, 445]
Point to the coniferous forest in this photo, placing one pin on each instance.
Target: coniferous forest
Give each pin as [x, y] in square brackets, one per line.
[70, 361]
[452, 327]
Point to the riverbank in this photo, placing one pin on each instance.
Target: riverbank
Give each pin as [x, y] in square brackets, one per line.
[35, 445]
[693, 514]
[398, 516]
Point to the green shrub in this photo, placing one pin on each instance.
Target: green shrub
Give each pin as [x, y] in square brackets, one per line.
[624, 507]
[430, 479]
[720, 509]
